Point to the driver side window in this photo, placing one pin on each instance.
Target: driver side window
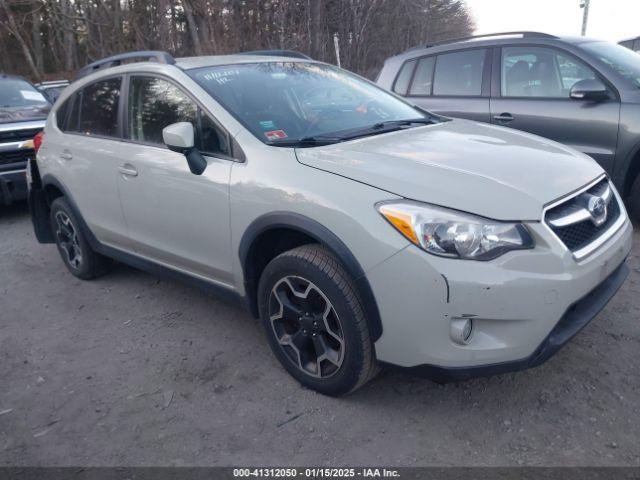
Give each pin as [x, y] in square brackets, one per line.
[540, 72]
[155, 103]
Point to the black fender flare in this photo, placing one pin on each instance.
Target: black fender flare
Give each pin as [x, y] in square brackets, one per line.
[323, 236]
[622, 177]
[48, 179]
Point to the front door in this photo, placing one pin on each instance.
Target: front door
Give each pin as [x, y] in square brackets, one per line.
[173, 216]
[534, 96]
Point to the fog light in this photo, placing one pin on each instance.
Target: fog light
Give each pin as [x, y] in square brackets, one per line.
[461, 330]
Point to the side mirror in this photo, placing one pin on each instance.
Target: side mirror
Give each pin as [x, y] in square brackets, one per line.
[590, 89]
[180, 137]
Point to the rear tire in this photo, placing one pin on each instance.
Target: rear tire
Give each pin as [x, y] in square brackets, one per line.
[315, 322]
[74, 249]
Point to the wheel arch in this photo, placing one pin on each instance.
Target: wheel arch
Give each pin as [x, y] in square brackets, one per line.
[53, 188]
[261, 231]
[43, 191]
[631, 171]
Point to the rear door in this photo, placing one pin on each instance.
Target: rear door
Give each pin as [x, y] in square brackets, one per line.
[530, 92]
[174, 217]
[86, 154]
[455, 84]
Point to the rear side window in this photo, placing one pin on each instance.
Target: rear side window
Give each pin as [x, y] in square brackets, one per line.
[459, 74]
[404, 77]
[423, 78]
[62, 114]
[74, 113]
[95, 109]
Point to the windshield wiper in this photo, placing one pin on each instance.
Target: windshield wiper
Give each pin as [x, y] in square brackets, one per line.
[403, 122]
[383, 127]
[304, 141]
[380, 127]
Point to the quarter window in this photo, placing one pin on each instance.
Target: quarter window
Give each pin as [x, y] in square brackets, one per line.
[98, 108]
[404, 77]
[62, 113]
[540, 72]
[423, 78]
[459, 73]
[210, 138]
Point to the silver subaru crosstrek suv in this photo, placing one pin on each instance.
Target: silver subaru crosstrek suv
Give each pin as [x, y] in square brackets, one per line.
[361, 230]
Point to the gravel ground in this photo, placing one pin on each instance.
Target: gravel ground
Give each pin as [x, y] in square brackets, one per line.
[135, 370]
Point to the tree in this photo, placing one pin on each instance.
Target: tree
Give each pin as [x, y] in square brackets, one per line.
[56, 37]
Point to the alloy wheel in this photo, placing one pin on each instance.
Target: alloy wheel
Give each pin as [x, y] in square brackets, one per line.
[306, 326]
[68, 239]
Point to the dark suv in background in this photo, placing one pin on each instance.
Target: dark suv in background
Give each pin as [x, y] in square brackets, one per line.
[23, 111]
[580, 92]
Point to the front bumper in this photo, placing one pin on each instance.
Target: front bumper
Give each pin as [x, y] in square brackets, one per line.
[524, 305]
[574, 320]
[13, 186]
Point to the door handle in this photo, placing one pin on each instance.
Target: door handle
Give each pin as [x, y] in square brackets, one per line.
[504, 117]
[66, 155]
[128, 170]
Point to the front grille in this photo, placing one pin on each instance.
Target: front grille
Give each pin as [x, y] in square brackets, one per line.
[583, 232]
[15, 156]
[19, 135]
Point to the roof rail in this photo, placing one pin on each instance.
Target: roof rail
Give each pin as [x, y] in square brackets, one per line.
[524, 34]
[51, 82]
[278, 53]
[115, 60]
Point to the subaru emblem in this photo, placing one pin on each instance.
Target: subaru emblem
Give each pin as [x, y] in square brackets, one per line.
[598, 210]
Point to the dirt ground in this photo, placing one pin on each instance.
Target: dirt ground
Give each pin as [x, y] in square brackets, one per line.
[135, 370]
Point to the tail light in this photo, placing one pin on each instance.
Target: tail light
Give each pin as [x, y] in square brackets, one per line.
[37, 141]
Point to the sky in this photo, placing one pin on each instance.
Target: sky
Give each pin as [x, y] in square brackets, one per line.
[612, 20]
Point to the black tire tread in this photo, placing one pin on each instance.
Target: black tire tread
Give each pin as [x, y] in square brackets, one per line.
[317, 255]
[634, 200]
[97, 265]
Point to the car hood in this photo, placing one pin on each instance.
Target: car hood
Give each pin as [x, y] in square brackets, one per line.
[23, 114]
[491, 171]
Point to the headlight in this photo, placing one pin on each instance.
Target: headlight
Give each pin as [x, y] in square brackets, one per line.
[449, 233]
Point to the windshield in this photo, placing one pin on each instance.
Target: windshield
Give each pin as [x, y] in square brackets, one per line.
[624, 61]
[283, 102]
[16, 93]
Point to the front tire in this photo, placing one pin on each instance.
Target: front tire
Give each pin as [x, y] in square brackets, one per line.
[314, 321]
[72, 244]
[633, 201]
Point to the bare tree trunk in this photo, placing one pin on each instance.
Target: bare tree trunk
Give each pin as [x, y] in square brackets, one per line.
[117, 26]
[315, 10]
[36, 40]
[15, 31]
[69, 36]
[192, 27]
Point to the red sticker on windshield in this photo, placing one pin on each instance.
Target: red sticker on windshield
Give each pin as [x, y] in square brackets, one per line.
[275, 134]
